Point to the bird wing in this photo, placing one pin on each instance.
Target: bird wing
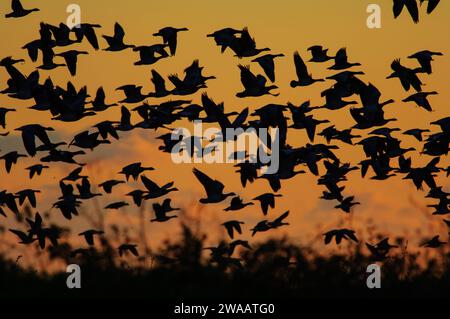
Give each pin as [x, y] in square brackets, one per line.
[29, 142]
[398, 7]
[91, 37]
[71, 61]
[248, 79]
[413, 9]
[16, 5]
[149, 184]
[158, 81]
[300, 66]
[119, 33]
[341, 56]
[432, 4]
[268, 65]
[281, 218]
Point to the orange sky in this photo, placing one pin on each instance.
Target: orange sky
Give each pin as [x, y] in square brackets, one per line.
[284, 26]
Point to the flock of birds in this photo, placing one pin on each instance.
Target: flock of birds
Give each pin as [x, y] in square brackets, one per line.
[71, 104]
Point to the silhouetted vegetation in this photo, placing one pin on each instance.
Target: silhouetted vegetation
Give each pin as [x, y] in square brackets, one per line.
[276, 269]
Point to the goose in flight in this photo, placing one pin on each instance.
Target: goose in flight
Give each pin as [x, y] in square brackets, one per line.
[214, 188]
[319, 54]
[341, 61]
[433, 243]
[47, 60]
[254, 85]
[245, 45]
[29, 194]
[170, 35]
[89, 235]
[99, 104]
[134, 170]
[339, 234]
[425, 58]
[36, 170]
[132, 93]
[224, 37]
[115, 42]
[87, 30]
[108, 185]
[11, 159]
[160, 85]
[412, 7]
[232, 226]
[161, 214]
[18, 11]
[267, 200]
[268, 65]
[303, 76]
[407, 76]
[150, 54]
[155, 191]
[71, 58]
[380, 250]
[237, 204]
[421, 99]
[29, 134]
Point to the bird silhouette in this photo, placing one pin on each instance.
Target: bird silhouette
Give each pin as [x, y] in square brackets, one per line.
[11, 159]
[214, 188]
[232, 226]
[267, 200]
[134, 170]
[29, 194]
[99, 104]
[245, 45]
[421, 99]
[267, 64]
[319, 54]
[18, 11]
[170, 36]
[237, 204]
[87, 30]
[254, 85]
[71, 58]
[36, 170]
[150, 54]
[155, 191]
[225, 37]
[161, 212]
[108, 185]
[303, 77]
[341, 61]
[89, 235]
[425, 58]
[433, 243]
[115, 42]
[339, 234]
[407, 77]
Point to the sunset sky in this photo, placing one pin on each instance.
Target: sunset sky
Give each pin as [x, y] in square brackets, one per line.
[285, 26]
